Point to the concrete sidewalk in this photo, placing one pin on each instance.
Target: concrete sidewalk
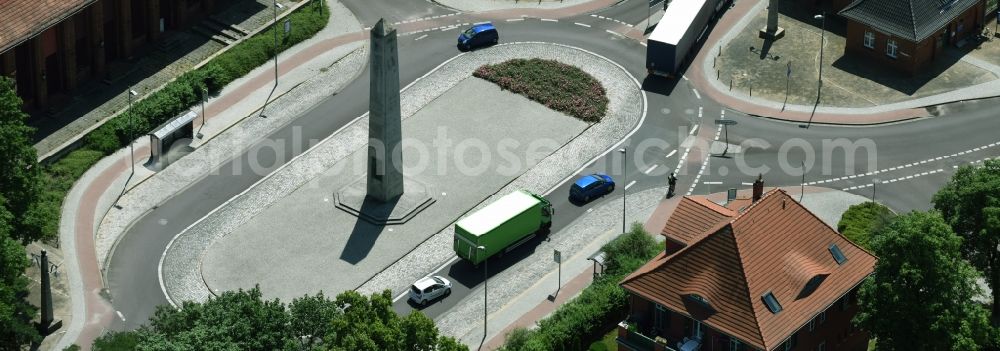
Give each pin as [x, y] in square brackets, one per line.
[736, 20]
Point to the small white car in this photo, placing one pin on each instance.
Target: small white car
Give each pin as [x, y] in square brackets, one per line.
[429, 288]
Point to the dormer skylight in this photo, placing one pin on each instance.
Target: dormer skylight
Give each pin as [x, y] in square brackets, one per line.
[837, 254]
[772, 302]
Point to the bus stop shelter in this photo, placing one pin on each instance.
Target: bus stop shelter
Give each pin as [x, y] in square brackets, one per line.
[160, 140]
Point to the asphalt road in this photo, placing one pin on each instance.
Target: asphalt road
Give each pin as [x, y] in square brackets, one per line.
[132, 275]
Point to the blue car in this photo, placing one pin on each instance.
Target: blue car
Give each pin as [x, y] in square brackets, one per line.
[477, 36]
[591, 186]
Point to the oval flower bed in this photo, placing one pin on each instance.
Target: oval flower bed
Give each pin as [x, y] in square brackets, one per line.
[558, 86]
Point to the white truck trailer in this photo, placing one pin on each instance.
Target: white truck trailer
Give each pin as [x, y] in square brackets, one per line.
[682, 25]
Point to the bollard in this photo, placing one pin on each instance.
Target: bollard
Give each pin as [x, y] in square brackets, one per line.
[718, 74]
[730, 84]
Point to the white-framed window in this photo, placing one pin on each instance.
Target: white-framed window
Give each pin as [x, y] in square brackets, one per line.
[734, 344]
[822, 317]
[660, 318]
[890, 48]
[821, 346]
[869, 39]
[789, 344]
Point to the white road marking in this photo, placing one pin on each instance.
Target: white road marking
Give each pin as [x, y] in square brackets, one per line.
[515, 19]
[484, 22]
[685, 77]
[671, 153]
[629, 185]
[693, 129]
[421, 37]
[120, 315]
[589, 210]
[642, 43]
[613, 32]
[747, 183]
[712, 183]
[699, 111]
[696, 93]
[651, 168]
[549, 20]
[581, 24]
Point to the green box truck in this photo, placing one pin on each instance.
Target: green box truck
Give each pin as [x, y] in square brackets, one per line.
[501, 226]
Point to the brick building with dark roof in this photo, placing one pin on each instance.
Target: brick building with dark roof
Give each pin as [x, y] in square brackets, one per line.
[49, 46]
[763, 275]
[908, 35]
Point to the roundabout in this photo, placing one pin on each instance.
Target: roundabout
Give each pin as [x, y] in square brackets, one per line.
[163, 251]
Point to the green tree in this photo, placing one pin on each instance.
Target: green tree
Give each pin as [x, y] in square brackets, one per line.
[243, 320]
[861, 220]
[235, 320]
[369, 323]
[310, 317]
[19, 171]
[16, 329]
[629, 251]
[920, 295]
[970, 203]
[117, 341]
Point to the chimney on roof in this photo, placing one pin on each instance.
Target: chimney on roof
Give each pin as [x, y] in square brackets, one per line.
[758, 188]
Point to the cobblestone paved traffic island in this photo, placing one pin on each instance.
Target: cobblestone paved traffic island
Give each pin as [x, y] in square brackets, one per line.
[180, 268]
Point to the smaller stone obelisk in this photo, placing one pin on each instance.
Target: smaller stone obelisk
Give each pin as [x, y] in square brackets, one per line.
[772, 31]
[47, 324]
[385, 154]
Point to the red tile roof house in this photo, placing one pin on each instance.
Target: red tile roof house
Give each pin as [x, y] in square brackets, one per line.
[759, 275]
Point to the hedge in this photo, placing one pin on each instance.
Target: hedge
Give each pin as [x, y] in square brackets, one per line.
[176, 97]
[601, 305]
[861, 220]
[559, 86]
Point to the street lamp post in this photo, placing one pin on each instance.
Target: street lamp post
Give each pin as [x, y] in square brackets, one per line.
[274, 28]
[486, 265]
[131, 146]
[624, 151]
[204, 95]
[822, 36]
[131, 129]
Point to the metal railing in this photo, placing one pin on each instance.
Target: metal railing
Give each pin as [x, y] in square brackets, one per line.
[637, 341]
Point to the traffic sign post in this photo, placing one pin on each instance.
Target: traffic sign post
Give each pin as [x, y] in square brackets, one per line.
[725, 127]
[557, 256]
[788, 76]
